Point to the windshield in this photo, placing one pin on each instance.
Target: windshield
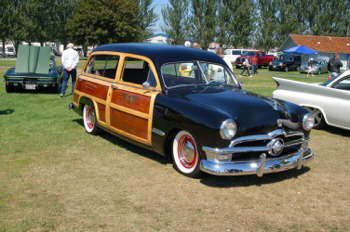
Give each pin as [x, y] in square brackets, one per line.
[196, 73]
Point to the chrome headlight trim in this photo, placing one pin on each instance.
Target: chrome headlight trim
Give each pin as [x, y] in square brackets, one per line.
[308, 121]
[228, 129]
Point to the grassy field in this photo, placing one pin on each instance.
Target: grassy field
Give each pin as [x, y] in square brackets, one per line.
[55, 177]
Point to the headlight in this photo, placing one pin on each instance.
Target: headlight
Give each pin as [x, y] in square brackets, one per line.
[308, 121]
[228, 129]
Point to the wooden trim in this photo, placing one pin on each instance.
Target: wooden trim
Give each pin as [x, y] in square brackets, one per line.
[130, 111]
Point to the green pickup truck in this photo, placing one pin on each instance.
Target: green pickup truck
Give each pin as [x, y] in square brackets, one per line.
[35, 69]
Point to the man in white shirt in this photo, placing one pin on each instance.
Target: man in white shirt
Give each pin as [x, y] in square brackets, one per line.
[70, 59]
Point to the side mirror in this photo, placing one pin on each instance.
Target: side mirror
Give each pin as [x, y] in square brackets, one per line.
[146, 85]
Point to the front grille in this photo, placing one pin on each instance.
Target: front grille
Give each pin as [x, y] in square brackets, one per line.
[292, 143]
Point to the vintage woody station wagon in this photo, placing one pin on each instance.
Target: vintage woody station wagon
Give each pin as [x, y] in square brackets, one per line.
[186, 103]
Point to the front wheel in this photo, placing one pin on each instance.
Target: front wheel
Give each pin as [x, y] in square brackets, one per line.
[319, 119]
[185, 154]
[89, 118]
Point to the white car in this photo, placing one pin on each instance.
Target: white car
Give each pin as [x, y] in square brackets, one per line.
[232, 54]
[330, 100]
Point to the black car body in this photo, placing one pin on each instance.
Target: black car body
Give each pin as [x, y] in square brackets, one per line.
[197, 112]
[285, 63]
[35, 68]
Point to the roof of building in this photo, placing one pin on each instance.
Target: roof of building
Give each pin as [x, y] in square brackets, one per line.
[323, 43]
[161, 53]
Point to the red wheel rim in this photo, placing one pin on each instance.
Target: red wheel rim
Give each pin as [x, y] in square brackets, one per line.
[187, 151]
[90, 117]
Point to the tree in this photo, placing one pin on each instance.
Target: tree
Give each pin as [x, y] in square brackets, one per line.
[104, 21]
[146, 16]
[5, 27]
[176, 19]
[204, 21]
[236, 22]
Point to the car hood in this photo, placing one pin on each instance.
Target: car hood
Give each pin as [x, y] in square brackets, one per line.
[251, 112]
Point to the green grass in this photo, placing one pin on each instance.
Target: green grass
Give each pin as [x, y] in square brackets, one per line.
[55, 177]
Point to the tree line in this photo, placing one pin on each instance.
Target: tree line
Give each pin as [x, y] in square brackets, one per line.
[262, 24]
[84, 22]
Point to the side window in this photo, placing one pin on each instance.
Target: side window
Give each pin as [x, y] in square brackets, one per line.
[103, 65]
[344, 84]
[137, 71]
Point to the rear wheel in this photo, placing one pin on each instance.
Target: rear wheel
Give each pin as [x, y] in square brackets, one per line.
[9, 88]
[89, 118]
[185, 154]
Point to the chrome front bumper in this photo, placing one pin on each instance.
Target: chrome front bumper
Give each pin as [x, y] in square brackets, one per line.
[219, 160]
[258, 167]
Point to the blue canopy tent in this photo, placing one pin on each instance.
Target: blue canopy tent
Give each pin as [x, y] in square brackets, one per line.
[301, 50]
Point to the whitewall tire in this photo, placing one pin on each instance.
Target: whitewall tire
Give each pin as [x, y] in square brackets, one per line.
[185, 154]
[89, 118]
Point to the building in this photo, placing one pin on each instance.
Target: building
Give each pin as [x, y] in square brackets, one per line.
[158, 38]
[326, 46]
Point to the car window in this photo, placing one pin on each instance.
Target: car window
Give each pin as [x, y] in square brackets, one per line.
[343, 84]
[236, 52]
[137, 71]
[189, 73]
[103, 65]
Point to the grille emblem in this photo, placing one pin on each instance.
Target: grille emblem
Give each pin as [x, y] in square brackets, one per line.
[276, 146]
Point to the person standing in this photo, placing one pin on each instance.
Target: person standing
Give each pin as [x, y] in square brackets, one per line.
[70, 59]
[246, 67]
[220, 52]
[334, 65]
[254, 61]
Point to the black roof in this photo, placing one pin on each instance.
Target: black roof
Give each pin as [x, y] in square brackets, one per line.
[161, 53]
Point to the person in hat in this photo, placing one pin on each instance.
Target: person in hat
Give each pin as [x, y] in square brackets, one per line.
[70, 59]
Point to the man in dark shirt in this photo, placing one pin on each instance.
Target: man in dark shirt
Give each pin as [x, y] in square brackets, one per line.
[334, 65]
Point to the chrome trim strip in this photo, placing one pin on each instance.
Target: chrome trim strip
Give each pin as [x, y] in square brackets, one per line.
[258, 167]
[158, 132]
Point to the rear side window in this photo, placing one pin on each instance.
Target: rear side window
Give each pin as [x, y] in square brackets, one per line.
[103, 65]
[137, 71]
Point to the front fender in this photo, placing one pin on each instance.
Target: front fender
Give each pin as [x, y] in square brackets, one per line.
[201, 121]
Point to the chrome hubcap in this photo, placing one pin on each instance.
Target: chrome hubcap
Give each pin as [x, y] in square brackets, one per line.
[187, 152]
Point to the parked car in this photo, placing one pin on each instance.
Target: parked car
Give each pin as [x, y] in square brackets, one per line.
[318, 67]
[186, 103]
[9, 50]
[35, 68]
[232, 54]
[285, 63]
[263, 59]
[330, 100]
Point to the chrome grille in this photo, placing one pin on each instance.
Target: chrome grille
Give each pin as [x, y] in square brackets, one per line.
[251, 147]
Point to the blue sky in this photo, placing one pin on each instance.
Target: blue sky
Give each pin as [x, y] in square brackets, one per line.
[158, 4]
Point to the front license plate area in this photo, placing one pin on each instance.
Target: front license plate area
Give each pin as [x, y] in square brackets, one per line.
[30, 86]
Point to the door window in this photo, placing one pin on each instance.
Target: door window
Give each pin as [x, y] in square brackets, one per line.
[103, 65]
[137, 71]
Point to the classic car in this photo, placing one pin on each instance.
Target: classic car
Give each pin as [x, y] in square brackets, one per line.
[318, 67]
[185, 103]
[285, 63]
[330, 100]
[35, 68]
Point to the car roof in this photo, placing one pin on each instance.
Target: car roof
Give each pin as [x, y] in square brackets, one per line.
[162, 53]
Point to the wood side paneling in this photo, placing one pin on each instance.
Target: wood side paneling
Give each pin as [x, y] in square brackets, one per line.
[129, 123]
[131, 100]
[102, 111]
[91, 88]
